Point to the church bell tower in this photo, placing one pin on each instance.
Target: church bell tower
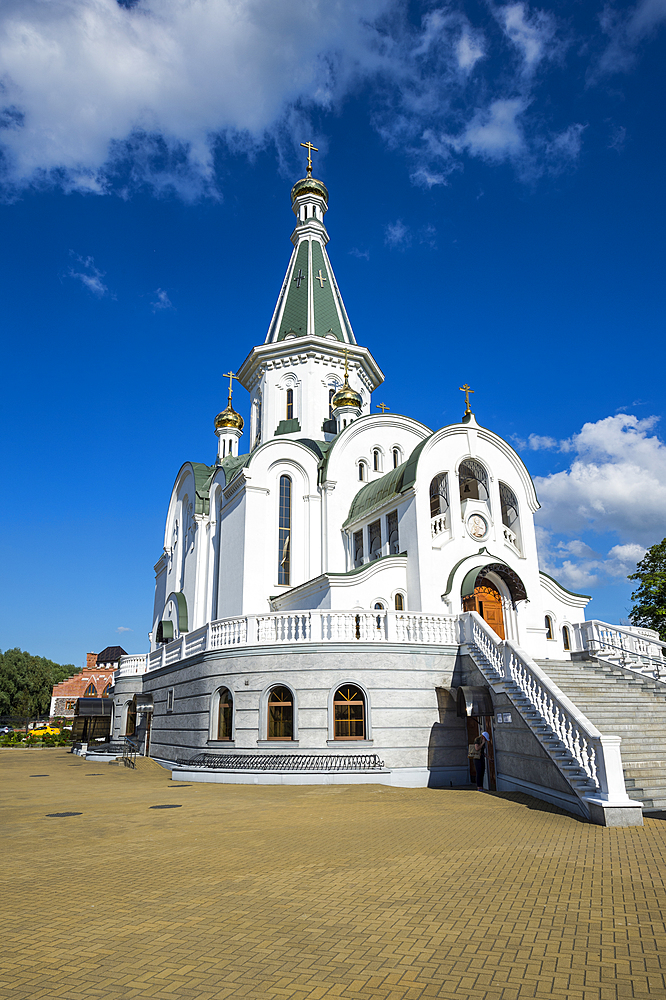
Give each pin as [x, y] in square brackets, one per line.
[310, 348]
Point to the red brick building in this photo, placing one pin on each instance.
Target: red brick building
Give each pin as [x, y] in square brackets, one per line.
[94, 681]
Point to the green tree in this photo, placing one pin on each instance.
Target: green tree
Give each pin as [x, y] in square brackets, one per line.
[26, 682]
[649, 610]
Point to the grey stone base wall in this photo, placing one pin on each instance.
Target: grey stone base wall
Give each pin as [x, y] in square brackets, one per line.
[411, 717]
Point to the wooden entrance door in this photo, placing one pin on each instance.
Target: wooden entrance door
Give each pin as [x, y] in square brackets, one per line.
[488, 602]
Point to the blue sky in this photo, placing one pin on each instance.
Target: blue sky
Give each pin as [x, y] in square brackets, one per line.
[496, 216]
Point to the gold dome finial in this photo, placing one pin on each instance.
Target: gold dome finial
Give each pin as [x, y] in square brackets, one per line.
[228, 417]
[346, 396]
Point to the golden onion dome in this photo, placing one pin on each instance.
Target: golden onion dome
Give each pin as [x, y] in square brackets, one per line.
[309, 185]
[229, 418]
[346, 396]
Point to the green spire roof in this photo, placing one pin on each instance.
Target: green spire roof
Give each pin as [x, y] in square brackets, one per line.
[310, 304]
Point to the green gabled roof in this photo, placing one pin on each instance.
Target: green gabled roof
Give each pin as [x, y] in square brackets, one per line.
[318, 448]
[326, 320]
[203, 477]
[233, 464]
[375, 494]
[412, 463]
[393, 484]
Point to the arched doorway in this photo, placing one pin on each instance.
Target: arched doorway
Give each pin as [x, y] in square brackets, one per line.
[493, 591]
[475, 705]
[487, 601]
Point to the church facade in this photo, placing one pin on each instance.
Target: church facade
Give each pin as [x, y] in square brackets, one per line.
[316, 581]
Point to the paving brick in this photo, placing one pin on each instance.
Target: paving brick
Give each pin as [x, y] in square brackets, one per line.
[316, 893]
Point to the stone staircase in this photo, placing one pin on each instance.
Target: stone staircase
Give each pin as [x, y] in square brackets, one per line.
[627, 705]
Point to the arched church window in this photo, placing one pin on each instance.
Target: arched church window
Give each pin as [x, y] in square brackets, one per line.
[566, 637]
[290, 404]
[375, 539]
[90, 691]
[376, 460]
[331, 394]
[473, 480]
[280, 714]
[362, 472]
[224, 714]
[396, 458]
[284, 531]
[548, 623]
[439, 495]
[509, 505]
[399, 602]
[392, 532]
[106, 693]
[349, 713]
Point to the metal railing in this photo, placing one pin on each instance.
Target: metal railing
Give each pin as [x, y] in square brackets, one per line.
[130, 750]
[284, 762]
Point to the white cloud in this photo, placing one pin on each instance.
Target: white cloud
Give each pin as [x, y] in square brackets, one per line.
[397, 235]
[469, 49]
[89, 275]
[616, 482]
[533, 36]
[364, 254]
[122, 628]
[615, 485]
[494, 133]
[162, 300]
[100, 96]
[626, 30]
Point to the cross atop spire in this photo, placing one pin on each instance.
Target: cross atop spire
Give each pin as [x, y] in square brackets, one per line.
[466, 389]
[231, 377]
[311, 149]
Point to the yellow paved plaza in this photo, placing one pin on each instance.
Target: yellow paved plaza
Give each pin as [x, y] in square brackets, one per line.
[312, 892]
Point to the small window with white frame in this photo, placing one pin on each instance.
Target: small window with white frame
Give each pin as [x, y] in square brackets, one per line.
[170, 700]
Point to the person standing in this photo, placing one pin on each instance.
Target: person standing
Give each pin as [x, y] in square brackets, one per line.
[480, 762]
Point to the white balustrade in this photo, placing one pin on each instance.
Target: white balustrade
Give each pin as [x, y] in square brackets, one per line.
[438, 525]
[597, 755]
[307, 626]
[194, 642]
[228, 632]
[131, 665]
[510, 536]
[636, 648]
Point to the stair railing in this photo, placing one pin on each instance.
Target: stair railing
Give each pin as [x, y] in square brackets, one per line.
[640, 652]
[130, 750]
[501, 660]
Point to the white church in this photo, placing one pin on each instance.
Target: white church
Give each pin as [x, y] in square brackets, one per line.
[348, 595]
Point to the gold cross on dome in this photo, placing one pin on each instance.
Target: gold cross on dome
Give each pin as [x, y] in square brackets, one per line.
[311, 149]
[321, 278]
[466, 389]
[230, 376]
[383, 407]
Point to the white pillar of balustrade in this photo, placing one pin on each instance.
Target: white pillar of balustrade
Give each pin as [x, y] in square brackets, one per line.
[251, 627]
[609, 769]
